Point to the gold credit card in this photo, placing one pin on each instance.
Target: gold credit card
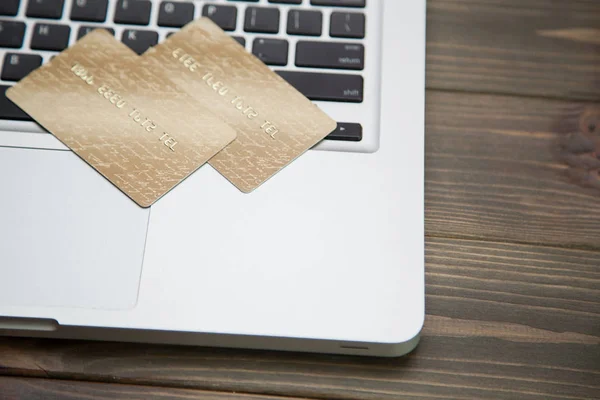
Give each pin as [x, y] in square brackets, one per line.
[274, 122]
[132, 124]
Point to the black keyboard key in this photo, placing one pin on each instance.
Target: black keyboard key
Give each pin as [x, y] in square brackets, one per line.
[262, 20]
[347, 132]
[50, 37]
[89, 10]
[339, 3]
[347, 25]
[175, 14]
[134, 12]
[286, 1]
[16, 66]
[85, 29]
[8, 109]
[224, 16]
[9, 7]
[45, 8]
[307, 23]
[139, 41]
[240, 40]
[11, 34]
[330, 55]
[327, 87]
[247, 1]
[271, 51]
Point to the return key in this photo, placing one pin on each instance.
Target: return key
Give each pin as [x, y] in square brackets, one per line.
[330, 55]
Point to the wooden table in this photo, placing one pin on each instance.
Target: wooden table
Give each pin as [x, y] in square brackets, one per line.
[513, 240]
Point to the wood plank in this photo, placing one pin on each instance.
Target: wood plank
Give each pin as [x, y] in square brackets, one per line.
[513, 169]
[518, 293]
[51, 389]
[534, 47]
[504, 321]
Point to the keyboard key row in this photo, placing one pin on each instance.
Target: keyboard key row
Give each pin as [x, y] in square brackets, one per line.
[95, 10]
[299, 22]
[55, 37]
[342, 24]
[337, 3]
[350, 132]
[81, 10]
[311, 54]
[177, 14]
[314, 85]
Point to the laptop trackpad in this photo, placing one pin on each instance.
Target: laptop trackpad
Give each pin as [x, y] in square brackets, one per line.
[68, 237]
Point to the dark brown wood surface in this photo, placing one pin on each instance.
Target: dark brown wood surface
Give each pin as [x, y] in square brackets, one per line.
[547, 48]
[44, 389]
[498, 169]
[513, 240]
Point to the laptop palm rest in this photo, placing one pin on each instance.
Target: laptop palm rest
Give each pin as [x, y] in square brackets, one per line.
[69, 238]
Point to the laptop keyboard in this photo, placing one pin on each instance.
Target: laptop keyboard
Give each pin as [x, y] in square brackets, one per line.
[318, 46]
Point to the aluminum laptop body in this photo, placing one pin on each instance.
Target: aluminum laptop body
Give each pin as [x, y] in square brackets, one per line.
[326, 256]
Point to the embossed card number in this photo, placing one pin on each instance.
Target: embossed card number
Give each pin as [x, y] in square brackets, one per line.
[274, 122]
[114, 98]
[146, 123]
[129, 123]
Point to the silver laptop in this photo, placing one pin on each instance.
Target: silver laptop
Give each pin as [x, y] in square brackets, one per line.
[327, 256]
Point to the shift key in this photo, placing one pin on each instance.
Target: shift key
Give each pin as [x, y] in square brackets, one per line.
[330, 55]
[326, 87]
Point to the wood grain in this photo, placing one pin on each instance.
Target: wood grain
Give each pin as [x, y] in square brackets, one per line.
[504, 169]
[49, 389]
[536, 47]
[504, 321]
